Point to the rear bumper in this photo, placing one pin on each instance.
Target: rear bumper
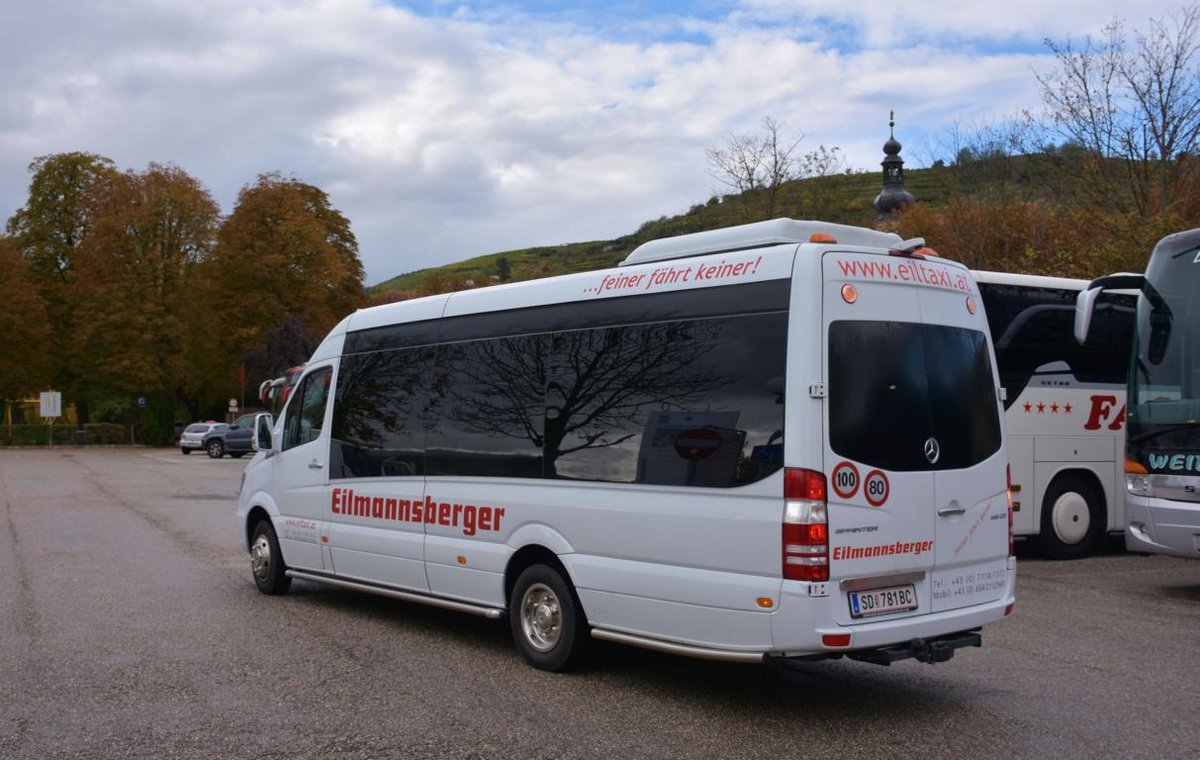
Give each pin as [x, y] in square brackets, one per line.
[794, 634]
[932, 650]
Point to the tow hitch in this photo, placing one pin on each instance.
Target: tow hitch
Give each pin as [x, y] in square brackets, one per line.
[938, 649]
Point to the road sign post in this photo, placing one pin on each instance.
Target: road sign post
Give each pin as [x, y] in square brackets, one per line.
[50, 407]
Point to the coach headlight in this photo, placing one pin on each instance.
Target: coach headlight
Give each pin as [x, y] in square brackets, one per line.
[1137, 478]
[1138, 484]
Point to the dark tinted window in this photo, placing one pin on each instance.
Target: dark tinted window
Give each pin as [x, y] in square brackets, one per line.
[306, 412]
[962, 396]
[893, 385]
[382, 412]
[1033, 333]
[489, 403]
[678, 401]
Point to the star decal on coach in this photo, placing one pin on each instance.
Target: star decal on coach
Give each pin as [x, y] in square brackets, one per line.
[1052, 408]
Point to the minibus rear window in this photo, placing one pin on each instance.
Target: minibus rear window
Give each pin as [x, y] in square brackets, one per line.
[895, 385]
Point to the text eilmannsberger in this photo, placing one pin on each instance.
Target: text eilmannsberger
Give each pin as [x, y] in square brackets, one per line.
[469, 517]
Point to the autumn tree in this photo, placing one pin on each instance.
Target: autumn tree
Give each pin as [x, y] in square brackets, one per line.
[285, 253]
[756, 167]
[138, 269]
[1128, 114]
[49, 231]
[24, 331]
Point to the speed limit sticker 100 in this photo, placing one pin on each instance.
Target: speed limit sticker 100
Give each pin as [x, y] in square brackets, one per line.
[845, 480]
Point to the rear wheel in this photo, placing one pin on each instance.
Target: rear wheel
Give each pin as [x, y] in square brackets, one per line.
[215, 448]
[1073, 518]
[186, 451]
[547, 622]
[266, 561]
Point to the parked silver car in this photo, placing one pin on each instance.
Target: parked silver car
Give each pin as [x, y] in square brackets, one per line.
[218, 438]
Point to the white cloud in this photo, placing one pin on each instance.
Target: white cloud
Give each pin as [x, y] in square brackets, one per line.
[481, 129]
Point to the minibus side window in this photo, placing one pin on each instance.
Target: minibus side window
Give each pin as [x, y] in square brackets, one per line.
[692, 403]
[306, 412]
[681, 388]
[490, 405]
[382, 412]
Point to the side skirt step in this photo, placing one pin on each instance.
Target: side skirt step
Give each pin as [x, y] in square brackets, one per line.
[491, 613]
[680, 649]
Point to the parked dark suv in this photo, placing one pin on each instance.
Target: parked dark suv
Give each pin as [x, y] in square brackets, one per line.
[218, 439]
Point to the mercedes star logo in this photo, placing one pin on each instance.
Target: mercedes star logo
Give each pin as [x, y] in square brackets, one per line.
[932, 450]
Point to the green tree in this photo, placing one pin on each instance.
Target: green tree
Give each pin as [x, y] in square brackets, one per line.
[284, 252]
[49, 231]
[24, 332]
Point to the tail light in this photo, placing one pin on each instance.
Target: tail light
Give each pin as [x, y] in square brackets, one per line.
[805, 526]
[1008, 494]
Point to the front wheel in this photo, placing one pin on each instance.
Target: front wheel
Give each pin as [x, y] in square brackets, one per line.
[547, 622]
[215, 448]
[1072, 518]
[266, 561]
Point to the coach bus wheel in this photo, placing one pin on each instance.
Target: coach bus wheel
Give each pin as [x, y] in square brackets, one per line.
[1072, 518]
[547, 622]
[266, 561]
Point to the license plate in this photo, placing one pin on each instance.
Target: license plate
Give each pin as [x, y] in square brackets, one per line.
[881, 601]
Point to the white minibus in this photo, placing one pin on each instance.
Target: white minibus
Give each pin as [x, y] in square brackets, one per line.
[779, 440]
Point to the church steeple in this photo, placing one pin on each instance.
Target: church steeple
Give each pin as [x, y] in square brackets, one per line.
[894, 196]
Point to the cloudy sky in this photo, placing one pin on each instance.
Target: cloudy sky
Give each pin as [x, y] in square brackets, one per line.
[449, 129]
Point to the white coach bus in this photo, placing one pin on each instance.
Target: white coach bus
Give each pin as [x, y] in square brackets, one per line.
[1162, 445]
[777, 440]
[1064, 407]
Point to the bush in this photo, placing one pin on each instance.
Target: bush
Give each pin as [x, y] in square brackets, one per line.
[107, 433]
[35, 435]
[100, 433]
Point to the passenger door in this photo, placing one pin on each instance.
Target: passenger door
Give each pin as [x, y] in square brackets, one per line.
[377, 498]
[302, 473]
[971, 502]
[880, 491]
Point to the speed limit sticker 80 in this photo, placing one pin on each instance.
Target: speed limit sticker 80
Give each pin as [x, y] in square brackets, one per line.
[876, 488]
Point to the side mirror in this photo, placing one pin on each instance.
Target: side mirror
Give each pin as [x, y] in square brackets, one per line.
[262, 441]
[1085, 302]
[1085, 305]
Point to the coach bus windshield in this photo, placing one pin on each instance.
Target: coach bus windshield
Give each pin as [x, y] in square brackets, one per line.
[1164, 386]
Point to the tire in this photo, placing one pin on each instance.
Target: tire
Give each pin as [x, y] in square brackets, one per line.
[215, 448]
[185, 451]
[1073, 518]
[266, 561]
[547, 622]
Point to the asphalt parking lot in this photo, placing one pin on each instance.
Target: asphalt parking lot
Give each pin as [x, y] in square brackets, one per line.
[130, 627]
